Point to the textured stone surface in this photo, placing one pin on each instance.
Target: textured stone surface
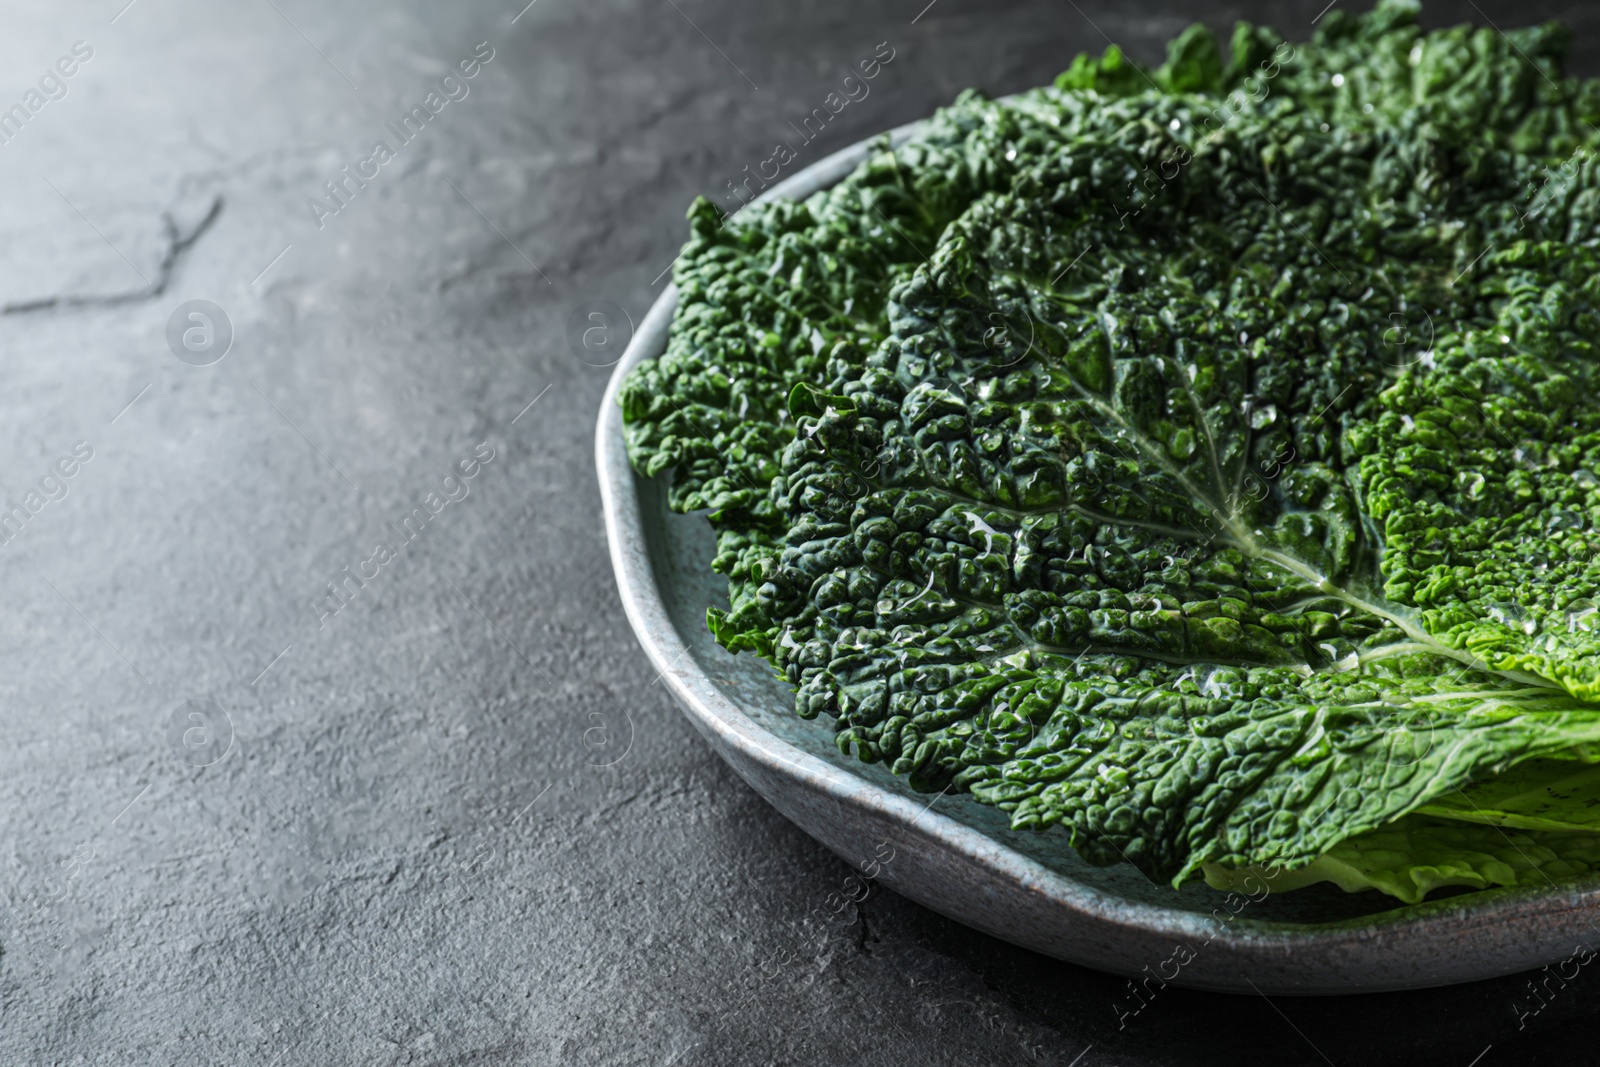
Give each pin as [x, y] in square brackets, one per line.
[455, 822]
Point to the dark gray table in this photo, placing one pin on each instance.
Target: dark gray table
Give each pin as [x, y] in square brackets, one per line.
[448, 817]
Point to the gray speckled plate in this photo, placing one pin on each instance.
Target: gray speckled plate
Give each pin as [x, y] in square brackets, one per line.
[960, 859]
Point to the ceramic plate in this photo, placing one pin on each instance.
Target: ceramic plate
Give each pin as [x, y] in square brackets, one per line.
[958, 857]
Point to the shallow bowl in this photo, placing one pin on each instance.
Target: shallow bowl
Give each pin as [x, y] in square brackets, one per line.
[959, 857]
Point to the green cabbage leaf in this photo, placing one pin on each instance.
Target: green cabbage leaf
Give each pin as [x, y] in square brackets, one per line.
[1203, 461]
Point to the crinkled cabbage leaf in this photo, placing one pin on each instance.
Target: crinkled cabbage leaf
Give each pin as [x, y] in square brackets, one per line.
[1204, 460]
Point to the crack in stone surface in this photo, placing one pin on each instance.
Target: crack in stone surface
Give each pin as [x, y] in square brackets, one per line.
[177, 243]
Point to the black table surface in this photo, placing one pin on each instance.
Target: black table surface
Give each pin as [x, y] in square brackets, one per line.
[248, 823]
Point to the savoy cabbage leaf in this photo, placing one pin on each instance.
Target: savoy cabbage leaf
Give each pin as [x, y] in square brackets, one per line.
[1203, 460]
[1536, 795]
[1414, 856]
